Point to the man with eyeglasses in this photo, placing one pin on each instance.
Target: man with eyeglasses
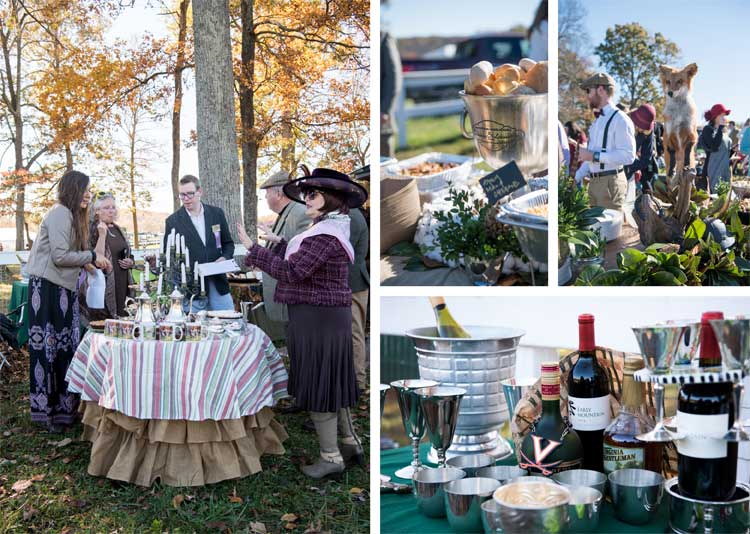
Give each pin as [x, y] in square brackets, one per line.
[207, 238]
[611, 146]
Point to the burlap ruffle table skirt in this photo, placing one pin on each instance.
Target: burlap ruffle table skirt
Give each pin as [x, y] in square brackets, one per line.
[179, 452]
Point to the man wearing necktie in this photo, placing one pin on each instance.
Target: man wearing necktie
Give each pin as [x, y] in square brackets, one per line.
[611, 146]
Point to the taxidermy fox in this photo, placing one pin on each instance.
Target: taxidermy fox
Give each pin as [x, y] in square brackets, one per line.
[680, 117]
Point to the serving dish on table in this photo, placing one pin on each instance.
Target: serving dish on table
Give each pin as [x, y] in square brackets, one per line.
[433, 171]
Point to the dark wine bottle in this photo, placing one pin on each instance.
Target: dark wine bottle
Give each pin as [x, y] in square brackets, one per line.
[706, 464]
[551, 446]
[588, 396]
[447, 326]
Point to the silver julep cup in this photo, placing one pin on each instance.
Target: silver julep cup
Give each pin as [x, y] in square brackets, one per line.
[514, 389]
[691, 515]
[584, 509]
[478, 365]
[463, 501]
[636, 494]
[502, 473]
[471, 463]
[428, 489]
[508, 128]
[547, 516]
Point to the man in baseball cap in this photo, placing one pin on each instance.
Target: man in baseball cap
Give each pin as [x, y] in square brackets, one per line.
[611, 145]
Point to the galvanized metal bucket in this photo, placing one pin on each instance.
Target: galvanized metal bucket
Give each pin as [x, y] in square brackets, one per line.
[478, 365]
[508, 128]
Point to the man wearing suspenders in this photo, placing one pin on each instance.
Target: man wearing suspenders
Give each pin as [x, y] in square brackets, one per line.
[611, 146]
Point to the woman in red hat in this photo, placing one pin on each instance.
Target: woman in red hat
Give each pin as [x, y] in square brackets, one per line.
[645, 147]
[717, 145]
[312, 270]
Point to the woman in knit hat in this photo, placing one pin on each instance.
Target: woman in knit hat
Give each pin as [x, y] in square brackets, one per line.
[645, 164]
[715, 141]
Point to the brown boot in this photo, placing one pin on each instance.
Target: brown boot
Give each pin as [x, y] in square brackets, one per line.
[352, 453]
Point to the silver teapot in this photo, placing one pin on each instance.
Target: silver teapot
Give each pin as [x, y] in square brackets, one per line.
[176, 313]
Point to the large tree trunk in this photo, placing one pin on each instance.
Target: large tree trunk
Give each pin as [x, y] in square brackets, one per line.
[288, 162]
[247, 117]
[179, 67]
[214, 83]
[133, 203]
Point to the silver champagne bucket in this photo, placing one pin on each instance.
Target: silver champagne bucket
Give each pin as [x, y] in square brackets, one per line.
[508, 128]
[478, 365]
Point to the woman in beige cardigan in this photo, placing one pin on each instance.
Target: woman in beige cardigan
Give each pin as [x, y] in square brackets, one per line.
[55, 262]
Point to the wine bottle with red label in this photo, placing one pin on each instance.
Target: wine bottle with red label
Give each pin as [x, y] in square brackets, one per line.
[588, 396]
[706, 463]
[551, 446]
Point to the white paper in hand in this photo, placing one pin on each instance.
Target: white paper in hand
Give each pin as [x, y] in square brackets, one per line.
[96, 290]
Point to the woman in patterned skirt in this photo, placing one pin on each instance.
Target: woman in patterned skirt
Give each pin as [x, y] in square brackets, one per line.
[313, 281]
[54, 266]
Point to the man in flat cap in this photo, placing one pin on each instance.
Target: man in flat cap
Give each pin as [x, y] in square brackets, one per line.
[611, 146]
[291, 221]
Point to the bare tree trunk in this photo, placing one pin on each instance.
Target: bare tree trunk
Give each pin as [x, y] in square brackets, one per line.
[247, 117]
[214, 83]
[131, 167]
[179, 67]
[68, 158]
[288, 162]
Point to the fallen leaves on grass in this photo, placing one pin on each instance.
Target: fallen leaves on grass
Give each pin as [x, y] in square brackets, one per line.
[234, 497]
[177, 501]
[37, 478]
[22, 485]
[356, 491]
[61, 443]
[29, 513]
[289, 518]
[256, 527]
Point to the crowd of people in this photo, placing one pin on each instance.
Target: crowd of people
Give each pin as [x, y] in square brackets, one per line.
[624, 149]
[315, 287]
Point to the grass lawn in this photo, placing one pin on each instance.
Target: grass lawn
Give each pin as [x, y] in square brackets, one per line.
[435, 134]
[63, 498]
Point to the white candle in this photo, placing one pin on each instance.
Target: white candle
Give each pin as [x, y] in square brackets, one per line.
[169, 250]
[187, 252]
[203, 284]
[182, 268]
[182, 247]
[158, 287]
[141, 282]
[177, 244]
[195, 271]
[147, 270]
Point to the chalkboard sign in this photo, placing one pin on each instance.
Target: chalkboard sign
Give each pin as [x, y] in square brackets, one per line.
[502, 181]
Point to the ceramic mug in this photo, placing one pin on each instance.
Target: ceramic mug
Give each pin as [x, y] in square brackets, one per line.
[144, 331]
[171, 332]
[125, 329]
[111, 327]
[193, 331]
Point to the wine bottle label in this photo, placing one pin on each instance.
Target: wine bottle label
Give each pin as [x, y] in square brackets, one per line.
[589, 414]
[704, 435]
[623, 458]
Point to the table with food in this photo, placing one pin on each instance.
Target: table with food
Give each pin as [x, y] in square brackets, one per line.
[443, 216]
[594, 445]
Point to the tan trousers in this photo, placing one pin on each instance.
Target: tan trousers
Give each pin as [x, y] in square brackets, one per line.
[608, 191]
[326, 425]
[359, 319]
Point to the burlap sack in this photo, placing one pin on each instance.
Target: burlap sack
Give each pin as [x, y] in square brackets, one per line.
[399, 212]
[529, 408]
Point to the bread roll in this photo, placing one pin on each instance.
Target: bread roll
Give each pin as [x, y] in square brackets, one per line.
[536, 78]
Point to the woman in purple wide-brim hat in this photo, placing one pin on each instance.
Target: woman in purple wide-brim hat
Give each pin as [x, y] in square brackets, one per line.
[312, 270]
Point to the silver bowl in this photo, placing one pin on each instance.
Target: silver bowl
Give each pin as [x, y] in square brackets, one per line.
[687, 515]
[582, 477]
[502, 473]
[428, 489]
[491, 517]
[584, 509]
[533, 507]
[463, 501]
[471, 463]
[636, 494]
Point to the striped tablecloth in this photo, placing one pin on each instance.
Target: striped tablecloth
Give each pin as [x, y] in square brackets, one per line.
[213, 379]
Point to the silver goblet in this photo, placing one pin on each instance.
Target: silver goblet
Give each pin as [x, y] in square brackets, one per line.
[660, 344]
[383, 392]
[411, 413]
[733, 336]
[440, 406]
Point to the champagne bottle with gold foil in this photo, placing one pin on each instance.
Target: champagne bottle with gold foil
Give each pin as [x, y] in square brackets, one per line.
[447, 326]
[622, 450]
[552, 445]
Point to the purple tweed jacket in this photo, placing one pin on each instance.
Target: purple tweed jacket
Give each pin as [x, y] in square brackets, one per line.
[317, 274]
